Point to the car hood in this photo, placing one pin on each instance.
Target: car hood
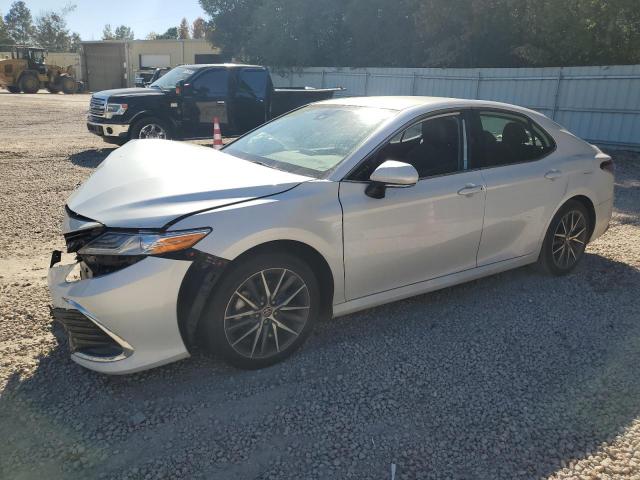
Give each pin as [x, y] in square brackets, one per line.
[128, 92]
[149, 183]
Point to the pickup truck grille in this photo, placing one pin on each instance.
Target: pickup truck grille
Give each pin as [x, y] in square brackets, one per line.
[97, 107]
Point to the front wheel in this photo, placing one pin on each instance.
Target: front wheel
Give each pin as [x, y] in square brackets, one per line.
[566, 239]
[150, 127]
[29, 83]
[13, 89]
[262, 310]
[68, 85]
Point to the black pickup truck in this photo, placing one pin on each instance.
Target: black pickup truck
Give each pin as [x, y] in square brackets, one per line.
[184, 102]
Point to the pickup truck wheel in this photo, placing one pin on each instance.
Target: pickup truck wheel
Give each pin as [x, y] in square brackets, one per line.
[150, 127]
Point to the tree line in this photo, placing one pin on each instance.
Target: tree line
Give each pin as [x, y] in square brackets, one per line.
[49, 30]
[184, 31]
[427, 33]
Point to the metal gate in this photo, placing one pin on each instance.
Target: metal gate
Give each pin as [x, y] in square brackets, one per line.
[105, 65]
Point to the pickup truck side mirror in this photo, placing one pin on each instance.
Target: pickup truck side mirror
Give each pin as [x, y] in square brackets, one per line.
[183, 88]
[391, 174]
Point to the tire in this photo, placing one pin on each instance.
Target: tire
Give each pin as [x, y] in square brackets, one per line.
[13, 89]
[150, 127]
[53, 88]
[251, 338]
[561, 253]
[68, 85]
[29, 83]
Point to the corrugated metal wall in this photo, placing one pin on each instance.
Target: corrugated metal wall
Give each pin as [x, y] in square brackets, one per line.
[599, 104]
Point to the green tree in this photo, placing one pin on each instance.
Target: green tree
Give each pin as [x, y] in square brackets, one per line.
[429, 33]
[5, 39]
[198, 28]
[19, 23]
[74, 42]
[123, 33]
[183, 29]
[170, 34]
[233, 22]
[107, 33]
[51, 32]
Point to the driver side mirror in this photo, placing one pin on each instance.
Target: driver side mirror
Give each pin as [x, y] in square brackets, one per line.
[391, 174]
[183, 88]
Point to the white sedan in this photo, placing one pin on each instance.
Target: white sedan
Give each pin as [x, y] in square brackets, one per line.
[336, 207]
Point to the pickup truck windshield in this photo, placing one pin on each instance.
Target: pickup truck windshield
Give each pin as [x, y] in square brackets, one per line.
[172, 77]
[312, 140]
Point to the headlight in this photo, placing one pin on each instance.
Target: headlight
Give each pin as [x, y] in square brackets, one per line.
[143, 243]
[116, 109]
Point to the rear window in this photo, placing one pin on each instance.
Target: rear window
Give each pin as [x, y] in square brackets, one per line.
[509, 138]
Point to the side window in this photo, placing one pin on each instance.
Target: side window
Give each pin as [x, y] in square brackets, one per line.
[433, 147]
[212, 83]
[506, 139]
[253, 83]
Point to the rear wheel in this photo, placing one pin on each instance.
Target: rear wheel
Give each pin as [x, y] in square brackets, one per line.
[29, 83]
[13, 89]
[566, 239]
[262, 310]
[150, 127]
[68, 85]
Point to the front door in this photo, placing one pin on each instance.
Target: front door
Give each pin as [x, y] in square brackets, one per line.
[417, 233]
[206, 99]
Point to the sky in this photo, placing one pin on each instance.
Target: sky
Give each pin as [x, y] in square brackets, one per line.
[143, 16]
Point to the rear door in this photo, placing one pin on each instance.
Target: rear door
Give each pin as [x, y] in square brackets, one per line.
[252, 96]
[207, 98]
[525, 182]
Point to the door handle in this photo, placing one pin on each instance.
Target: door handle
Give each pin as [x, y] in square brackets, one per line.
[553, 174]
[220, 102]
[470, 189]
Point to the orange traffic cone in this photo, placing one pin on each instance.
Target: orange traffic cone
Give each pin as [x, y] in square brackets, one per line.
[217, 135]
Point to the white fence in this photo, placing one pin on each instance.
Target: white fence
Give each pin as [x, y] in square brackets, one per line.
[599, 104]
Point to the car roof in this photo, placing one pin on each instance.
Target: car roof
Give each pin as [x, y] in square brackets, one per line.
[223, 65]
[400, 103]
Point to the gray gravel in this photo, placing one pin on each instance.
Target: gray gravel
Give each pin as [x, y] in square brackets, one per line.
[513, 376]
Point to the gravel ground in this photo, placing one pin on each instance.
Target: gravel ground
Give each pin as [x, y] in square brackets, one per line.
[514, 376]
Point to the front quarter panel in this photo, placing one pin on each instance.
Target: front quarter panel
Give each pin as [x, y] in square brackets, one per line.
[309, 213]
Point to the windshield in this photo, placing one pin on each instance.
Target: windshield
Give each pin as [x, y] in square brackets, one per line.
[312, 140]
[169, 80]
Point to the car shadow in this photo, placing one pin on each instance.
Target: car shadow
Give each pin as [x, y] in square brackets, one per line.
[91, 158]
[512, 375]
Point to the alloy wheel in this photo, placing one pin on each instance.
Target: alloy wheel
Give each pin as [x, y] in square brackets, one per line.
[266, 313]
[152, 130]
[569, 239]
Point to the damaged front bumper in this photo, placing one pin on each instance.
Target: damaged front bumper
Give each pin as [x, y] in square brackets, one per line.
[121, 322]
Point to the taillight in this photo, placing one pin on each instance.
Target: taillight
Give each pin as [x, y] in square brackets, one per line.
[608, 166]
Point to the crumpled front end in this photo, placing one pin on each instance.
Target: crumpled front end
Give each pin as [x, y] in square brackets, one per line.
[119, 317]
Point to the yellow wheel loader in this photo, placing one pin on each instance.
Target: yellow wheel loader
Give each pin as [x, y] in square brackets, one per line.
[26, 71]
